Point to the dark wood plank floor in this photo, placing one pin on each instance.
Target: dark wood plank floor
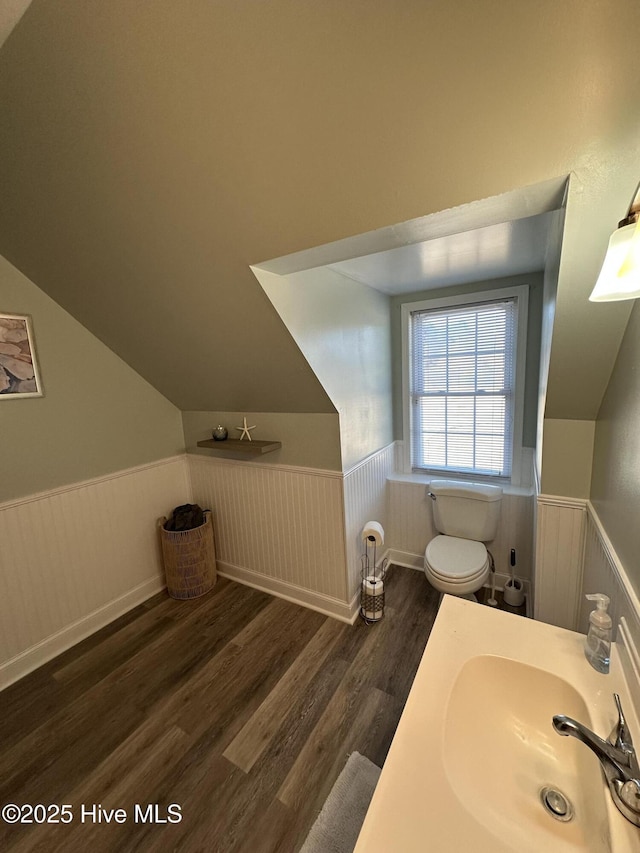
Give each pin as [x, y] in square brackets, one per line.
[238, 707]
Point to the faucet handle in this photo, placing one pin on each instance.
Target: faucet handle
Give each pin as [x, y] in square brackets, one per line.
[621, 736]
[630, 794]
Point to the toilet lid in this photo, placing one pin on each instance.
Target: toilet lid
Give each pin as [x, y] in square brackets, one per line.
[455, 558]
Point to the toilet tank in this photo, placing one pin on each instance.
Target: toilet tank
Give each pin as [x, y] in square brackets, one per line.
[466, 510]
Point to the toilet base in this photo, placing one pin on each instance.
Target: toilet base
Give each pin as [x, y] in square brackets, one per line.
[468, 596]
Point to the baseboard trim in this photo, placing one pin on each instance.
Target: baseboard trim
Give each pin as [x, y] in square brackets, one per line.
[35, 656]
[317, 601]
[354, 608]
[406, 559]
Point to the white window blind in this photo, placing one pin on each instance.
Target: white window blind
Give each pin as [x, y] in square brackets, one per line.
[462, 377]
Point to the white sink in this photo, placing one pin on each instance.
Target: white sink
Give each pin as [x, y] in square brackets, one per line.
[475, 744]
[500, 751]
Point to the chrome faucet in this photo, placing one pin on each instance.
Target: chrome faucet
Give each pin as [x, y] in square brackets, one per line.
[617, 758]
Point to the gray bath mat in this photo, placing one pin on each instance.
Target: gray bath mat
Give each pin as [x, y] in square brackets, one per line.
[338, 825]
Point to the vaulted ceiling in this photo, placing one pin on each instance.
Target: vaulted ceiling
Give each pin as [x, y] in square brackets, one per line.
[150, 152]
[10, 13]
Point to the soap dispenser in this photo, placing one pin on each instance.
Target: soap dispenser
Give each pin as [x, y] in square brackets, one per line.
[597, 648]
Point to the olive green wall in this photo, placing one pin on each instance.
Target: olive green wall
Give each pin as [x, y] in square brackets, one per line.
[308, 440]
[151, 152]
[342, 326]
[567, 453]
[96, 416]
[615, 485]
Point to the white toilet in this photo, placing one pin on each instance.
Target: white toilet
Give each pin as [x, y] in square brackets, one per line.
[466, 515]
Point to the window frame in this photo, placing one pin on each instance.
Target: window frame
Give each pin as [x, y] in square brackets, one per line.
[521, 295]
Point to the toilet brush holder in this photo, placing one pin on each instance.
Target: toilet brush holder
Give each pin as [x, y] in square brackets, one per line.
[514, 592]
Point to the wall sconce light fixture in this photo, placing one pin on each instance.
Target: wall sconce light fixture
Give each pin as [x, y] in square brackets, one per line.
[620, 274]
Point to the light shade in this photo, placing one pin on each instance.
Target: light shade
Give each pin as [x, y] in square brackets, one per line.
[620, 274]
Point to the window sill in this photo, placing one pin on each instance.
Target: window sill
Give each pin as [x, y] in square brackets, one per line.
[425, 479]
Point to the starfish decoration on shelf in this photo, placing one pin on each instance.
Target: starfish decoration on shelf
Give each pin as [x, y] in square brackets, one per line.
[245, 430]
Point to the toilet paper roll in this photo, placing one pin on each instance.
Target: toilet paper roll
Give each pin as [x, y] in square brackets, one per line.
[374, 587]
[373, 532]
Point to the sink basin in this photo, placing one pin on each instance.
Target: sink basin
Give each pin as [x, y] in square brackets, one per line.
[500, 751]
[475, 745]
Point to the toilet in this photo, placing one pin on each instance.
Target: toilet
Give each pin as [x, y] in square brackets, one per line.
[466, 515]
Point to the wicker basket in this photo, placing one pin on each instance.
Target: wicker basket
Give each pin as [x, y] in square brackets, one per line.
[189, 559]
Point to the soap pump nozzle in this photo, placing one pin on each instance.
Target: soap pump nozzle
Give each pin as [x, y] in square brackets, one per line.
[600, 615]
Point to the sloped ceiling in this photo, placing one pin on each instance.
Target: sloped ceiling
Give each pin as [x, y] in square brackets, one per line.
[10, 13]
[150, 152]
[494, 251]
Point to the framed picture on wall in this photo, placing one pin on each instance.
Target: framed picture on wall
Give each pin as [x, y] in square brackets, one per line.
[19, 376]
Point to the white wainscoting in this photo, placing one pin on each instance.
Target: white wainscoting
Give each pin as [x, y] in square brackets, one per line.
[410, 522]
[603, 572]
[574, 556]
[278, 528]
[559, 559]
[411, 528]
[73, 559]
[365, 499]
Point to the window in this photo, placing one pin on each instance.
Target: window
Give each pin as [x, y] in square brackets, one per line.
[463, 383]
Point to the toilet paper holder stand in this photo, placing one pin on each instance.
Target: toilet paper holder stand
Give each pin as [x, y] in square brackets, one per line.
[372, 583]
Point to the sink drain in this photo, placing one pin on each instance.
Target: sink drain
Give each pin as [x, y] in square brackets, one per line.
[556, 803]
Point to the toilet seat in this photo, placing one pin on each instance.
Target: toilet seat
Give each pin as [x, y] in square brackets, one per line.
[456, 560]
[469, 579]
